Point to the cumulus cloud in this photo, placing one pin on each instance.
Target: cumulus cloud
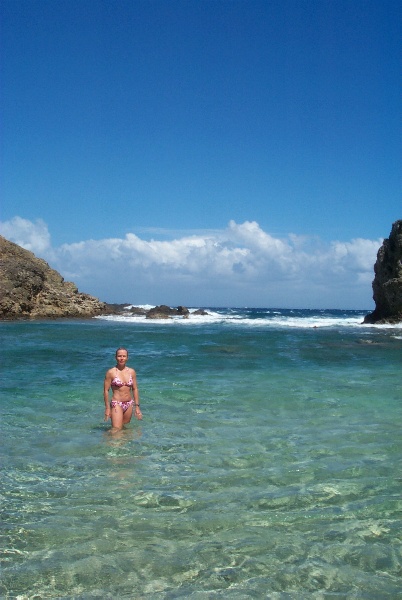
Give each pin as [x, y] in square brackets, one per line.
[31, 236]
[241, 264]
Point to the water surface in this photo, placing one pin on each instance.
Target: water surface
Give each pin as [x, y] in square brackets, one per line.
[267, 465]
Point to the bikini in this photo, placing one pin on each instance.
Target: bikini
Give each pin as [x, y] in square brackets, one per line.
[117, 382]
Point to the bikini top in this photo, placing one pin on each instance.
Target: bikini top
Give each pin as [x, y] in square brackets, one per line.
[117, 382]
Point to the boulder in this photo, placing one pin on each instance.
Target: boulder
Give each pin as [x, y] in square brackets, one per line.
[200, 312]
[387, 283]
[159, 312]
[30, 289]
[166, 312]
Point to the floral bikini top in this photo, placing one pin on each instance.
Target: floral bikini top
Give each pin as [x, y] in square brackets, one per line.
[117, 382]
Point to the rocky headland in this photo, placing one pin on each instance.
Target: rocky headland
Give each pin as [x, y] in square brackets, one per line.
[387, 283]
[31, 289]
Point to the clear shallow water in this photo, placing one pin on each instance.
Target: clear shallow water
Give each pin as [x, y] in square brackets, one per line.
[268, 463]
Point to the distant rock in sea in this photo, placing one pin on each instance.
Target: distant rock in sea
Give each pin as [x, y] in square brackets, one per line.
[30, 289]
[166, 312]
[387, 283]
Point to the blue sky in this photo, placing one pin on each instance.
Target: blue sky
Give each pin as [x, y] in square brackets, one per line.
[203, 152]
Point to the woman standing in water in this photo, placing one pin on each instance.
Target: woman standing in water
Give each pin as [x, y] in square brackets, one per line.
[125, 397]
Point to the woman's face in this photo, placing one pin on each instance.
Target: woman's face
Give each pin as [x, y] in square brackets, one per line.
[121, 357]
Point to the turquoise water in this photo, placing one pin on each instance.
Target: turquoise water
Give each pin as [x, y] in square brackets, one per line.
[267, 465]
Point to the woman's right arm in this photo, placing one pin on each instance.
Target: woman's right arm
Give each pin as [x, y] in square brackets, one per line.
[106, 388]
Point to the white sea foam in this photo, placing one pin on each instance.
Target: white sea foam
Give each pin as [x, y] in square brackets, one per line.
[258, 318]
[143, 306]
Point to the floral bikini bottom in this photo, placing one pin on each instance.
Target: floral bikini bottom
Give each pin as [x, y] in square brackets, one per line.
[124, 405]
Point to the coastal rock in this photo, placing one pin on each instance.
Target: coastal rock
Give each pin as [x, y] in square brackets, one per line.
[387, 283]
[166, 312]
[200, 312]
[30, 289]
[138, 311]
[160, 312]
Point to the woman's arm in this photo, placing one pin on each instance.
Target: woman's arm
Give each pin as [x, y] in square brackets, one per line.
[106, 388]
[136, 397]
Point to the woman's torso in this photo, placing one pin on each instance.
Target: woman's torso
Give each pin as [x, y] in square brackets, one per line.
[122, 384]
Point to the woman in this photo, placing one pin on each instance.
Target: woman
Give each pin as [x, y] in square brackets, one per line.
[125, 398]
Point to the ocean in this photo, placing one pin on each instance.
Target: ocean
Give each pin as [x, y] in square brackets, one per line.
[267, 464]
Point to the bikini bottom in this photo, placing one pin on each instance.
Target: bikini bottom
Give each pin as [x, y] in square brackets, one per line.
[124, 405]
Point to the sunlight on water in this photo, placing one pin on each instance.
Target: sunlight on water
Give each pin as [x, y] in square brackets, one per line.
[267, 464]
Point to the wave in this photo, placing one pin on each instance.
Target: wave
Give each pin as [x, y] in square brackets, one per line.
[257, 317]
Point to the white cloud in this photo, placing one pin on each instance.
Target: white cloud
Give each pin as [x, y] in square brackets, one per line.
[241, 264]
[358, 254]
[31, 236]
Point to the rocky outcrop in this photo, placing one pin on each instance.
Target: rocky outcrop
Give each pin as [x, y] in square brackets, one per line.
[166, 312]
[157, 312]
[30, 289]
[200, 312]
[387, 283]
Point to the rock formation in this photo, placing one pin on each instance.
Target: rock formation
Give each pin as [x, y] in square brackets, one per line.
[387, 283]
[30, 289]
[165, 312]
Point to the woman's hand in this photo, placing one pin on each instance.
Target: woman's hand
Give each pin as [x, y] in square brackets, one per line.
[137, 412]
[107, 414]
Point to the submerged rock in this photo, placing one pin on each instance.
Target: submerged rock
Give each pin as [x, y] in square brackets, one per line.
[387, 283]
[30, 289]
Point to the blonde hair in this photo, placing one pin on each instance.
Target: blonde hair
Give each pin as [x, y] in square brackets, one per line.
[121, 348]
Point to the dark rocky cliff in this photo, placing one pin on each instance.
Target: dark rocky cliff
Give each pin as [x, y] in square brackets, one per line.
[30, 289]
[387, 283]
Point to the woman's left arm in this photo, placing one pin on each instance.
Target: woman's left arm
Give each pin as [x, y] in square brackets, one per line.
[136, 397]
